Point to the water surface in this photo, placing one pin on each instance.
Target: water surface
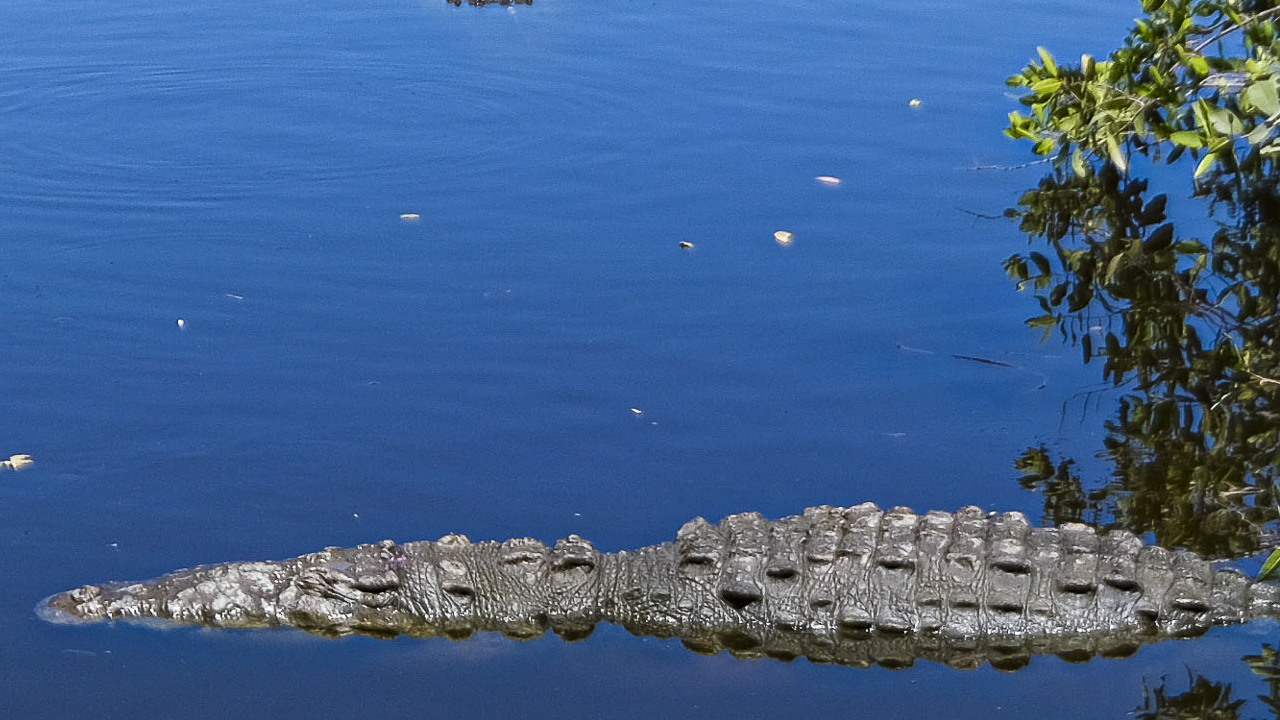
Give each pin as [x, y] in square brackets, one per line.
[341, 375]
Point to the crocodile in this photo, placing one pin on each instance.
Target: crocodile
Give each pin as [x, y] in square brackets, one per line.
[856, 586]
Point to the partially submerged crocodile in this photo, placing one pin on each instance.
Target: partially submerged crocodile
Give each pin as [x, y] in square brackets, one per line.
[855, 586]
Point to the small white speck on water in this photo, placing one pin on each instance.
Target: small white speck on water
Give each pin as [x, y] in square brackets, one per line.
[16, 462]
[182, 324]
[637, 412]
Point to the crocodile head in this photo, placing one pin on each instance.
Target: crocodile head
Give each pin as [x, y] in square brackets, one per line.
[333, 592]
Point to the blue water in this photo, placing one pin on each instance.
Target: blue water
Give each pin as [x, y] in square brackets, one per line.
[341, 375]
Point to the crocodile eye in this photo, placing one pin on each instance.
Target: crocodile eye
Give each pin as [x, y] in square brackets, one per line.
[698, 559]
[457, 589]
[1013, 566]
[1078, 587]
[1124, 584]
[376, 583]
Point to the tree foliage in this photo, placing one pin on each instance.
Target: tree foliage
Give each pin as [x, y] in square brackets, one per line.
[1188, 326]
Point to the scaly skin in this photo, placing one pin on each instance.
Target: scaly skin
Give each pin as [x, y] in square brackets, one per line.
[855, 586]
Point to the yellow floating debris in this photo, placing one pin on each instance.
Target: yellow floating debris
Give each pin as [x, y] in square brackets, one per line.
[16, 462]
[828, 180]
[783, 237]
[686, 244]
[410, 217]
[915, 102]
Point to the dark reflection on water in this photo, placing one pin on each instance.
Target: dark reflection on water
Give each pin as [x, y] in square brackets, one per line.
[1187, 329]
[1184, 323]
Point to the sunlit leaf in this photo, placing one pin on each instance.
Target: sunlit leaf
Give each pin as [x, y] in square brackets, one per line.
[1047, 59]
[1117, 157]
[1269, 567]
[1048, 86]
[1114, 266]
[1205, 163]
[1262, 95]
[1188, 138]
[1077, 163]
[1259, 134]
[1224, 120]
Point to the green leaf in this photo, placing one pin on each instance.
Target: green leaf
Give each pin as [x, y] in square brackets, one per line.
[1198, 65]
[1117, 157]
[1258, 134]
[1159, 239]
[1077, 163]
[1187, 138]
[1114, 266]
[1042, 263]
[1223, 120]
[1047, 86]
[1205, 163]
[1269, 567]
[1047, 59]
[1262, 95]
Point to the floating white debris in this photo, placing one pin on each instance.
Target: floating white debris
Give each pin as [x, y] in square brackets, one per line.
[784, 237]
[234, 296]
[686, 244]
[915, 102]
[16, 462]
[182, 324]
[828, 180]
[410, 217]
[637, 412]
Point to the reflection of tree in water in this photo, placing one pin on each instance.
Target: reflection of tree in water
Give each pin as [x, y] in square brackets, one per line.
[1188, 326]
[1190, 329]
[1184, 323]
[1205, 698]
